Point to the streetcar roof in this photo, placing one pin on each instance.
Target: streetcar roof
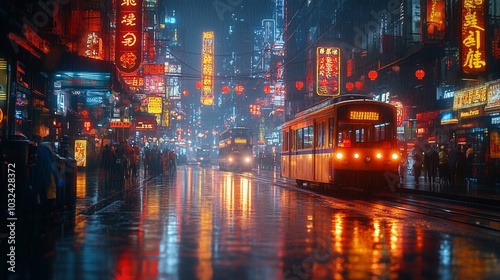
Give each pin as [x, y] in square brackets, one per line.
[334, 100]
[331, 102]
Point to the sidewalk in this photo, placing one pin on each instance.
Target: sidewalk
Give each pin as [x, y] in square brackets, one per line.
[94, 193]
[469, 192]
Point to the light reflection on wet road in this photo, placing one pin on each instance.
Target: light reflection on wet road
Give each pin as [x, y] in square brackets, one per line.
[207, 224]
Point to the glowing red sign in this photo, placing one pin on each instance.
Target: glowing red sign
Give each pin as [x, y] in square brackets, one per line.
[433, 21]
[128, 55]
[207, 66]
[473, 39]
[327, 71]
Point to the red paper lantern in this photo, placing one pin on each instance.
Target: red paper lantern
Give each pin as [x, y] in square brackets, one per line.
[358, 85]
[420, 74]
[198, 84]
[373, 75]
[299, 85]
[267, 89]
[225, 89]
[185, 92]
[349, 86]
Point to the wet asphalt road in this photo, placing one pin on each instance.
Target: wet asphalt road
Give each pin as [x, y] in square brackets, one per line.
[208, 224]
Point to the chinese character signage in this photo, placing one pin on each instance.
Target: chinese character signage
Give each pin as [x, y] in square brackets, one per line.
[81, 152]
[207, 69]
[134, 82]
[327, 71]
[154, 84]
[473, 41]
[155, 105]
[433, 21]
[145, 125]
[469, 97]
[153, 69]
[493, 96]
[128, 55]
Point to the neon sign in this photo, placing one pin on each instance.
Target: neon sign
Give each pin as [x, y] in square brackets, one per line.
[473, 37]
[128, 55]
[327, 71]
[207, 66]
[433, 21]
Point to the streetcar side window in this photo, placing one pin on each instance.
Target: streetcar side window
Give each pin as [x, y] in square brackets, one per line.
[308, 137]
[284, 146]
[305, 137]
[330, 132]
[320, 128]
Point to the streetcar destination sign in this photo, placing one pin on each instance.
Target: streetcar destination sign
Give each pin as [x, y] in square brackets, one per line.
[364, 115]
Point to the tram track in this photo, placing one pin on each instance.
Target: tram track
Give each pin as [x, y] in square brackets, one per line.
[448, 209]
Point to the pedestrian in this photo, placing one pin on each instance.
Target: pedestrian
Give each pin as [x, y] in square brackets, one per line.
[417, 167]
[469, 163]
[431, 161]
[63, 149]
[452, 164]
[443, 166]
[402, 165]
[460, 169]
[106, 162]
[47, 179]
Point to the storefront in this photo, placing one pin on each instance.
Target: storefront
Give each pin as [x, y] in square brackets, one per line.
[472, 127]
[492, 110]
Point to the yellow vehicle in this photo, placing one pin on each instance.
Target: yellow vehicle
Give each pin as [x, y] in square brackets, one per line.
[342, 144]
[235, 149]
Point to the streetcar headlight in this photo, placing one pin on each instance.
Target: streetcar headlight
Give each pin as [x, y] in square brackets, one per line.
[248, 159]
[339, 155]
[230, 159]
[378, 155]
[356, 155]
[395, 156]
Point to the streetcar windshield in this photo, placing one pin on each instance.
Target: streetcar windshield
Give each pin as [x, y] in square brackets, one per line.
[365, 127]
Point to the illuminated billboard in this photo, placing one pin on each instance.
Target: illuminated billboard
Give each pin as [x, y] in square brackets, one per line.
[155, 105]
[433, 21]
[207, 69]
[128, 53]
[473, 37]
[327, 71]
[81, 152]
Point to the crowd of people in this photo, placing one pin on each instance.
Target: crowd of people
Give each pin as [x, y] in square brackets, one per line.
[121, 161]
[445, 167]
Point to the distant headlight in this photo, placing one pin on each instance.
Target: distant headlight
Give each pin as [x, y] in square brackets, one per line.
[395, 156]
[378, 155]
[230, 159]
[248, 159]
[339, 155]
[356, 155]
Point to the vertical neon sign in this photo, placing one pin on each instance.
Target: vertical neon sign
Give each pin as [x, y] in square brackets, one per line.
[128, 42]
[473, 41]
[207, 69]
[327, 71]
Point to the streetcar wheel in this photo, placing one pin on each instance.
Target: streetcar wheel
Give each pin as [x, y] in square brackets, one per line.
[300, 183]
